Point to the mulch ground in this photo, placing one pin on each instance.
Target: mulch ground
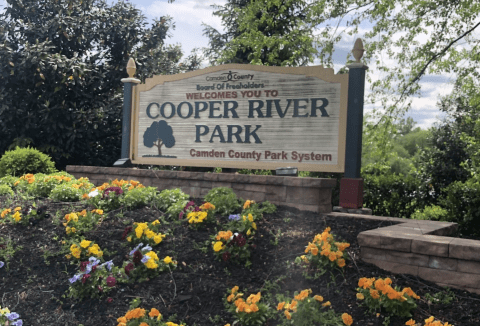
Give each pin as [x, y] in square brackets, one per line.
[38, 276]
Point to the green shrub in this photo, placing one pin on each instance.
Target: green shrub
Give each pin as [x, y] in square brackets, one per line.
[6, 190]
[21, 161]
[462, 202]
[172, 201]
[432, 212]
[224, 200]
[66, 193]
[8, 180]
[139, 197]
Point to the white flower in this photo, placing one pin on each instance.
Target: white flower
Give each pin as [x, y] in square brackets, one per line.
[93, 193]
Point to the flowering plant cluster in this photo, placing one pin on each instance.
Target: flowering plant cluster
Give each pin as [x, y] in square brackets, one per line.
[144, 233]
[9, 318]
[242, 224]
[138, 317]
[46, 183]
[234, 247]
[13, 216]
[109, 196]
[145, 264]
[304, 310]
[27, 215]
[198, 216]
[83, 250]
[81, 222]
[250, 207]
[324, 251]
[94, 279]
[428, 322]
[378, 294]
[250, 311]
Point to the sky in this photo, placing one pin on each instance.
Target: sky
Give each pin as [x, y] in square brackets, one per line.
[189, 15]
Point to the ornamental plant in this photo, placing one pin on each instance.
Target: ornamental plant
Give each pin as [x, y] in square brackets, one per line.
[139, 317]
[232, 247]
[25, 216]
[44, 184]
[111, 196]
[242, 224]
[144, 264]
[25, 160]
[224, 199]
[6, 190]
[9, 318]
[84, 250]
[13, 216]
[428, 322]
[247, 312]
[146, 232]
[256, 209]
[378, 294]
[139, 196]
[304, 310]
[94, 280]
[77, 223]
[66, 192]
[202, 215]
[172, 201]
[324, 252]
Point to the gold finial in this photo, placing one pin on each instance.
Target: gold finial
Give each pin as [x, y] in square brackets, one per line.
[131, 68]
[358, 50]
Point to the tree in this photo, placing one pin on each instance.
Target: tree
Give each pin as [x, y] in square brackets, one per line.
[61, 68]
[267, 32]
[158, 134]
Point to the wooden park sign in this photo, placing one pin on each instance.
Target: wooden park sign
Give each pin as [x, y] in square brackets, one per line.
[247, 116]
[242, 116]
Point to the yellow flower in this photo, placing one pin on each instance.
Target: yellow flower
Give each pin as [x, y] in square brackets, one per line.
[155, 222]
[158, 238]
[250, 217]
[347, 319]
[218, 246]
[360, 296]
[249, 232]
[17, 216]
[167, 260]
[16, 209]
[73, 230]
[254, 225]
[149, 233]
[129, 239]
[85, 243]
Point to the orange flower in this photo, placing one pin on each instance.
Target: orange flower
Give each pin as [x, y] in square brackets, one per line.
[122, 320]
[248, 203]
[411, 322]
[135, 313]
[287, 314]
[154, 313]
[341, 262]
[374, 294]
[319, 298]
[280, 305]
[143, 324]
[347, 319]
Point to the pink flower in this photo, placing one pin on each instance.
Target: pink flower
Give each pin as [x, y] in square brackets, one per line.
[109, 300]
[111, 281]
[129, 268]
[85, 278]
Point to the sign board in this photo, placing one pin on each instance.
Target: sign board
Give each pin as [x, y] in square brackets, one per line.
[242, 116]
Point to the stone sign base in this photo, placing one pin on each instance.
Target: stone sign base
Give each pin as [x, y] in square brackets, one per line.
[310, 194]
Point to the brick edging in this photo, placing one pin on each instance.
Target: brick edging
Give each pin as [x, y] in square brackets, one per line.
[426, 249]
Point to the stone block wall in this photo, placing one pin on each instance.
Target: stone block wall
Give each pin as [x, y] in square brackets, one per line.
[427, 249]
[311, 194]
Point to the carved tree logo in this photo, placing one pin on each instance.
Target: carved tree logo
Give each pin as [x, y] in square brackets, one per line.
[159, 134]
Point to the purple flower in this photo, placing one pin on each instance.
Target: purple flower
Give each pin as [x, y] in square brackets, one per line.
[117, 190]
[147, 247]
[145, 259]
[18, 323]
[1, 264]
[85, 278]
[111, 281]
[109, 300]
[129, 268]
[83, 265]
[93, 261]
[109, 265]
[180, 216]
[136, 248]
[12, 316]
[189, 204]
[74, 278]
[234, 217]
[127, 230]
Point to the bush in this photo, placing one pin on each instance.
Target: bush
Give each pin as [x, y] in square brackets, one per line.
[224, 200]
[8, 180]
[432, 212]
[21, 161]
[139, 197]
[66, 192]
[6, 190]
[172, 201]
[462, 202]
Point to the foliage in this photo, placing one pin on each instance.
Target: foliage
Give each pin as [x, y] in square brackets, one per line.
[94, 279]
[60, 89]
[8, 248]
[304, 310]
[379, 294]
[172, 201]
[250, 207]
[432, 212]
[445, 297]
[139, 197]
[461, 201]
[78, 223]
[200, 216]
[8, 180]
[243, 224]
[6, 190]
[21, 161]
[66, 193]
[28, 214]
[224, 199]
[247, 312]
[44, 184]
[146, 232]
[324, 252]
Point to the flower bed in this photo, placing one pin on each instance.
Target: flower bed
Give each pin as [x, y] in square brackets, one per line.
[184, 278]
